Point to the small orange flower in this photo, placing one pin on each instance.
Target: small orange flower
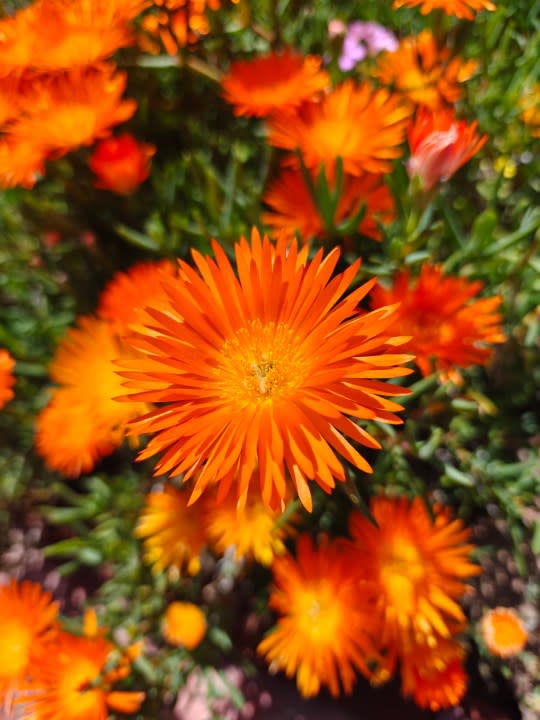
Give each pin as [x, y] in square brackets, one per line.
[424, 73]
[75, 109]
[447, 328]
[173, 534]
[70, 679]
[264, 373]
[459, 8]
[322, 633]
[125, 298]
[69, 437]
[7, 381]
[22, 161]
[184, 624]
[253, 531]
[503, 632]
[363, 126]
[418, 567]
[530, 109]
[121, 163]
[275, 82]
[440, 144]
[27, 615]
[434, 675]
[293, 209]
[176, 23]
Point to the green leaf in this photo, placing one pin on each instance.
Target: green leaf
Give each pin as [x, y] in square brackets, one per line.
[458, 477]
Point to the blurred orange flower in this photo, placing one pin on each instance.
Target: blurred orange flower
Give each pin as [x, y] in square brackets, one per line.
[447, 328]
[71, 678]
[459, 8]
[363, 126]
[22, 161]
[264, 373]
[530, 109]
[418, 566]
[121, 163]
[293, 209]
[173, 534]
[27, 616]
[176, 23]
[274, 82]
[84, 367]
[424, 73]
[253, 531]
[503, 632]
[184, 624]
[440, 144]
[7, 381]
[75, 109]
[322, 632]
[124, 299]
[434, 675]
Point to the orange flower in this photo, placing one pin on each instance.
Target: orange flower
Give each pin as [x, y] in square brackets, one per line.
[176, 23]
[503, 632]
[274, 82]
[76, 108]
[253, 531]
[69, 437]
[27, 615]
[417, 566]
[124, 299]
[363, 126]
[184, 624]
[423, 73]
[71, 679]
[173, 533]
[121, 163]
[530, 106]
[51, 35]
[322, 632]
[459, 8]
[84, 365]
[293, 209]
[7, 381]
[264, 373]
[21, 161]
[435, 676]
[440, 145]
[446, 329]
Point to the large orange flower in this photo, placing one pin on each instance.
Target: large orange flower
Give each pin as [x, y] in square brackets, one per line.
[424, 73]
[440, 144]
[7, 363]
[123, 300]
[293, 209]
[459, 8]
[173, 534]
[27, 615]
[275, 82]
[322, 633]
[70, 679]
[264, 373]
[363, 126]
[84, 367]
[447, 329]
[75, 109]
[418, 566]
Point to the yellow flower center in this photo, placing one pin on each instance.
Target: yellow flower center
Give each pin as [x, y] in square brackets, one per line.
[16, 638]
[75, 686]
[318, 613]
[402, 570]
[260, 363]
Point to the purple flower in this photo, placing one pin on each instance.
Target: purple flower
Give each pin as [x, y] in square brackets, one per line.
[362, 39]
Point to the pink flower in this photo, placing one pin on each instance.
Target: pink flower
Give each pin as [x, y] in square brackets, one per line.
[440, 144]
